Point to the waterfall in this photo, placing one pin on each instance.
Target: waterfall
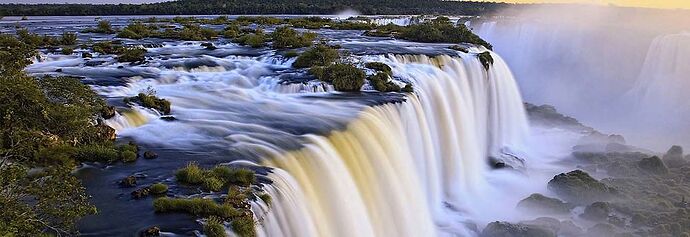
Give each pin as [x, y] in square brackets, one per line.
[405, 169]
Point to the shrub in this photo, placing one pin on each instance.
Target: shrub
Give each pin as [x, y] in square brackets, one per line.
[290, 54]
[128, 156]
[231, 31]
[408, 88]
[254, 40]
[237, 176]
[380, 82]
[159, 188]
[137, 30]
[197, 33]
[345, 77]
[285, 37]
[441, 30]
[93, 153]
[103, 27]
[195, 206]
[320, 55]
[244, 226]
[106, 47]
[379, 67]
[67, 50]
[192, 174]
[132, 55]
[68, 38]
[266, 198]
[214, 227]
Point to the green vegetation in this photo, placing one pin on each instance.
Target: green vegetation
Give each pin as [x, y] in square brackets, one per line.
[379, 67]
[45, 125]
[67, 50]
[287, 38]
[138, 30]
[103, 27]
[159, 188]
[320, 55]
[486, 59]
[441, 30]
[257, 39]
[35, 40]
[131, 55]
[215, 179]
[214, 227]
[148, 99]
[380, 81]
[344, 77]
[196, 206]
[244, 226]
[106, 47]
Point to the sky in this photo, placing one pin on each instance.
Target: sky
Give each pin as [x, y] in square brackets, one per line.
[631, 3]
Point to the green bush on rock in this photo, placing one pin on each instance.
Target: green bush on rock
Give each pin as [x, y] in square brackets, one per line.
[216, 178]
[158, 188]
[379, 67]
[214, 227]
[320, 55]
[244, 226]
[149, 100]
[196, 206]
[486, 59]
[345, 77]
[288, 38]
[131, 55]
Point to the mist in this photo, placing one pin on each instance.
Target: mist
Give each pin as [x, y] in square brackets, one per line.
[619, 70]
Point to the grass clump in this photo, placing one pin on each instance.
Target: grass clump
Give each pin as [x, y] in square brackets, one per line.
[96, 152]
[380, 81]
[196, 206]
[214, 227]
[217, 178]
[191, 174]
[131, 55]
[257, 39]
[320, 55]
[288, 38]
[128, 156]
[244, 226]
[103, 27]
[158, 188]
[149, 99]
[344, 77]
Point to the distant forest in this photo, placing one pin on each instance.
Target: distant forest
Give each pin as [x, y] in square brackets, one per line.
[243, 7]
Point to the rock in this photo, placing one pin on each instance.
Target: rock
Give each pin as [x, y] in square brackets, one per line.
[93, 63]
[86, 55]
[652, 165]
[150, 155]
[105, 132]
[674, 157]
[129, 181]
[141, 193]
[615, 138]
[544, 222]
[505, 229]
[108, 112]
[601, 230]
[568, 228]
[58, 70]
[541, 204]
[168, 118]
[208, 45]
[597, 211]
[578, 187]
[151, 232]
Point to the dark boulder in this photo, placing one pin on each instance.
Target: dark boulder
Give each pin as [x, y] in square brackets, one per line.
[108, 112]
[578, 187]
[150, 155]
[541, 204]
[105, 132]
[505, 229]
[129, 181]
[141, 193]
[597, 211]
[674, 157]
[151, 232]
[168, 118]
[653, 165]
[547, 223]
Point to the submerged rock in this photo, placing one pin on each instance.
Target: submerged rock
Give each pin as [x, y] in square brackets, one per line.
[653, 165]
[141, 193]
[129, 181]
[150, 155]
[151, 232]
[505, 229]
[578, 187]
[541, 204]
[597, 211]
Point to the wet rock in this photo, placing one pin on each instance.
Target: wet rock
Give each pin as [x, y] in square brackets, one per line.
[129, 181]
[578, 187]
[652, 165]
[568, 228]
[208, 45]
[150, 155]
[541, 204]
[544, 223]
[151, 232]
[93, 63]
[674, 157]
[505, 229]
[168, 118]
[597, 211]
[58, 70]
[601, 230]
[141, 193]
[105, 132]
[86, 55]
[108, 112]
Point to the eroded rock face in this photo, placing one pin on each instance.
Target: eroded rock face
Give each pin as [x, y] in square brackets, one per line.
[505, 229]
[578, 187]
[541, 204]
[653, 165]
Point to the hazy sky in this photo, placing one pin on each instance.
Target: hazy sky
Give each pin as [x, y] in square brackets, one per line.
[635, 3]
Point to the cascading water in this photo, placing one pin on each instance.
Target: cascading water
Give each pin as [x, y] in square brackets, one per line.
[404, 169]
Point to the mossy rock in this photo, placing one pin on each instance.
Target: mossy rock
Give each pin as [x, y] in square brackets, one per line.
[158, 188]
[486, 59]
[541, 204]
[505, 229]
[319, 55]
[379, 67]
[580, 188]
[597, 211]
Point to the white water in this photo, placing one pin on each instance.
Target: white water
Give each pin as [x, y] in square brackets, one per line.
[409, 169]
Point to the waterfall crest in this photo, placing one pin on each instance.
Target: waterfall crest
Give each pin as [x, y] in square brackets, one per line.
[406, 169]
